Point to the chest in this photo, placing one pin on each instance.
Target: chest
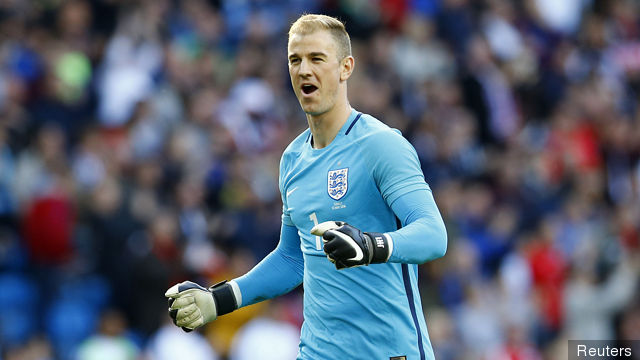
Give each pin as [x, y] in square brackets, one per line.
[330, 187]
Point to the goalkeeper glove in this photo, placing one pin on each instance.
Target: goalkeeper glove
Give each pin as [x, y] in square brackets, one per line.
[347, 246]
[191, 305]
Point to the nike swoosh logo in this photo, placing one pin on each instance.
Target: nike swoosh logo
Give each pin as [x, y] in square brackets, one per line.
[291, 191]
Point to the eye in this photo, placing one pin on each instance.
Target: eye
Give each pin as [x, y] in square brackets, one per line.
[294, 61]
[316, 59]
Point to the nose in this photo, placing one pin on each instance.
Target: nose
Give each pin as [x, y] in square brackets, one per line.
[305, 68]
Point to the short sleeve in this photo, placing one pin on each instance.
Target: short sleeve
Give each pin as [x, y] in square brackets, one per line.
[394, 165]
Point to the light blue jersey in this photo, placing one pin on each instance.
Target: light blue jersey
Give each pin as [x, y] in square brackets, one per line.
[368, 176]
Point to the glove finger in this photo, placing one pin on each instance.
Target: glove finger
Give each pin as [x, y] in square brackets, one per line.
[331, 241]
[186, 312]
[182, 301]
[329, 235]
[323, 227]
[183, 319]
[179, 289]
[172, 315]
[343, 253]
[173, 291]
[340, 265]
[329, 247]
[330, 259]
[194, 324]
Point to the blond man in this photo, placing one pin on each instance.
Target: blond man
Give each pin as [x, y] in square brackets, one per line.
[346, 174]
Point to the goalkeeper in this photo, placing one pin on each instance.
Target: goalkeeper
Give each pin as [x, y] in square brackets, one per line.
[357, 219]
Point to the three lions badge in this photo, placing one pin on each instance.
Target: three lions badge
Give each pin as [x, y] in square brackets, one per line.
[337, 183]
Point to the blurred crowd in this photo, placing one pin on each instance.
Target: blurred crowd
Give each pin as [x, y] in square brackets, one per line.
[140, 142]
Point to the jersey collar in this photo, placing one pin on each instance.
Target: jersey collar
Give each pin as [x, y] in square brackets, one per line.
[346, 127]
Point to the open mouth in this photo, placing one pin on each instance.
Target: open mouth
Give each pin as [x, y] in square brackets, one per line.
[308, 89]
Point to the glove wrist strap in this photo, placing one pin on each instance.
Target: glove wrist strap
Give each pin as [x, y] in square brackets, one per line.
[222, 293]
[379, 247]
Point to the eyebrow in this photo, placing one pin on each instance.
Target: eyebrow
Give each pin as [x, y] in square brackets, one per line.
[311, 54]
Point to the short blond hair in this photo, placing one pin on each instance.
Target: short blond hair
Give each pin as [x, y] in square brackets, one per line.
[309, 23]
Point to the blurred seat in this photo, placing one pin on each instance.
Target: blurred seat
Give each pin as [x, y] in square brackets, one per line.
[18, 313]
[68, 322]
[94, 290]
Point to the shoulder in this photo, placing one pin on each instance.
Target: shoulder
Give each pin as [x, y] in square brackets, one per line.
[293, 150]
[374, 135]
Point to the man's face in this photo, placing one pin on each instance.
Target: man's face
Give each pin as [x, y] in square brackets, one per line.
[315, 70]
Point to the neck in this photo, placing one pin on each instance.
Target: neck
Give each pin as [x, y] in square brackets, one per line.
[325, 127]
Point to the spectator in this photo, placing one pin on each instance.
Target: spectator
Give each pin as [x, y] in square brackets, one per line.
[169, 342]
[110, 342]
[268, 337]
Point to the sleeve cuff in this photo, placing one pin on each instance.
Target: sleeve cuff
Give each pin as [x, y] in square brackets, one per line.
[390, 242]
[236, 292]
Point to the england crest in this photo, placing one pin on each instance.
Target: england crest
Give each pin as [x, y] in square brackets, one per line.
[337, 183]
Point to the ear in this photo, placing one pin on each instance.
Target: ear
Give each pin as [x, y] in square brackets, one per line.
[346, 68]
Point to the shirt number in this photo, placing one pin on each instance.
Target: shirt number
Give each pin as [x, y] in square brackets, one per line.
[313, 217]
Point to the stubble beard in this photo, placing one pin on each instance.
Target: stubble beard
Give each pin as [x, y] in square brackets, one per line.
[322, 107]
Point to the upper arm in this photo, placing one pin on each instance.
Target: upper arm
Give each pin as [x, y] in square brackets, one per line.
[396, 170]
[394, 165]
